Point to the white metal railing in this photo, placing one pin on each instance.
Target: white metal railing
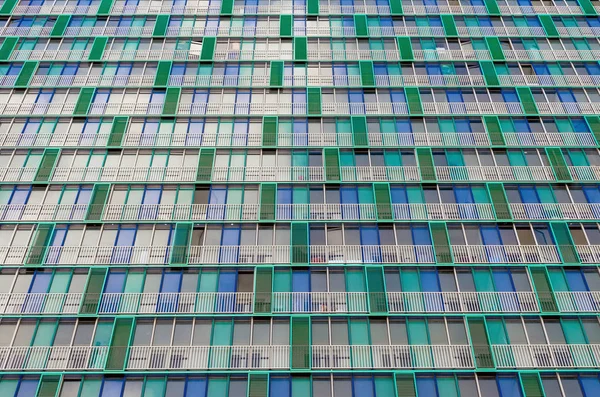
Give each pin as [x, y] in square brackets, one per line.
[91, 80]
[588, 253]
[379, 173]
[478, 31]
[577, 301]
[266, 174]
[391, 356]
[342, 55]
[26, 31]
[319, 302]
[505, 254]
[92, 31]
[254, 80]
[443, 211]
[585, 173]
[124, 174]
[223, 31]
[80, 255]
[568, 108]
[6, 80]
[53, 357]
[18, 174]
[37, 108]
[549, 80]
[443, 54]
[68, 7]
[465, 302]
[551, 55]
[167, 212]
[417, 9]
[125, 108]
[472, 108]
[351, 9]
[43, 212]
[494, 173]
[148, 7]
[371, 254]
[53, 139]
[540, 8]
[249, 55]
[151, 55]
[549, 139]
[40, 303]
[429, 80]
[208, 357]
[547, 356]
[49, 55]
[548, 211]
[13, 255]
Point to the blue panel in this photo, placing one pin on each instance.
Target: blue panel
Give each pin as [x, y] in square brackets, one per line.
[426, 387]
[363, 387]
[509, 387]
[195, 388]
[112, 388]
[279, 387]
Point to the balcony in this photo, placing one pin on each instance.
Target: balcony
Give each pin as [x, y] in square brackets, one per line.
[547, 356]
[442, 54]
[69, 7]
[223, 31]
[482, 31]
[42, 212]
[429, 80]
[319, 302]
[249, 55]
[551, 55]
[95, 81]
[436, 31]
[588, 253]
[64, 358]
[7, 81]
[220, 81]
[151, 55]
[549, 139]
[495, 173]
[462, 302]
[343, 55]
[26, 109]
[146, 7]
[419, 9]
[550, 80]
[18, 174]
[125, 108]
[472, 108]
[585, 173]
[352, 9]
[122, 174]
[515, 9]
[505, 254]
[568, 108]
[577, 301]
[578, 31]
[40, 303]
[57, 139]
[550, 211]
[26, 31]
[94, 31]
[49, 55]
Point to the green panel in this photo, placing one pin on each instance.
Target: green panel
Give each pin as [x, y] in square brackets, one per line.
[312, 7]
[160, 27]
[181, 242]
[489, 73]
[8, 6]
[396, 7]
[269, 131]
[97, 48]
[258, 385]
[117, 131]
[7, 46]
[300, 49]
[268, 193]
[171, 101]
[557, 161]
[300, 243]
[162, 74]
[425, 162]
[405, 385]
[527, 100]
[531, 385]
[549, 26]
[208, 48]
[48, 386]
[492, 7]
[499, 201]
[493, 44]
[479, 341]
[84, 100]
[276, 78]
[588, 9]
[227, 7]
[413, 99]
[93, 291]
[564, 241]
[332, 164]
[37, 250]
[405, 48]
[263, 290]
[205, 165]
[441, 245]
[492, 125]
[104, 7]
[46, 165]
[60, 25]
[543, 288]
[27, 71]
[97, 202]
[300, 343]
[383, 201]
[359, 130]
[367, 74]
[449, 25]
[360, 25]
[377, 296]
[119, 344]
[313, 96]
[286, 26]
[594, 124]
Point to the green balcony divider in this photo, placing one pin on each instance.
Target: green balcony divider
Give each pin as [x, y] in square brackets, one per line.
[332, 164]
[98, 47]
[405, 49]
[181, 243]
[588, 9]
[425, 162]
[84, 101]
[119, 344]
[313, 96]
[492, 7]
[301, 343]
[396, 7]
[269, 137]
[413, 99]
[105, 7]
[299, 243]
[163, 71]
[360, 25]
[117, 131]
[93, 290]
[489, 73]
[312, 7]
[227, 7]
[558, 163]
[41, 239]
[377, 296]
[60, 25]
[7, 47]
[258, 385]
[367, 73]
[48, 386]
[171, 101]
[549, 26]
[564, 242]
[492, 126]
[449, 25]
[208, 48]
[383, 201]
[276, 77]
[359, 130]
[97, 202]
[594, 124]
[300, 49]
[531, 385]
[8, 6]
[542, 287]
[286, 25]
[499, 201]
[160, 26]
[26, 73]
[441, 242]
[268, 194]
[46, 165]
[527, 101]
[263, 290]
[405, 385]
[205, 165]
[480, 343]
[495, 48]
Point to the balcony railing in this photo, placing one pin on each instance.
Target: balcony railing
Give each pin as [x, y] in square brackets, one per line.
[56, 140]
[588, 253]
[92, 80]
[42, 212]
[49, 55]
[551, 55]
[26, 31]
[224, 31]
[549, 211]
[549, 139]
[547, 356]
[53, 357]
[68, 8]
[18, 174]
[505, 254]
[447, 55]
[319, 302]
[478, 31]
[585, 173]
[472, 108]
[40, 303]
[343, 55]
[550, 80]
[147, 7]
[568, 108]
[151, 55]
[37, 108]
[577, 301]
[124, 174]
[93, 31]
[494, 173]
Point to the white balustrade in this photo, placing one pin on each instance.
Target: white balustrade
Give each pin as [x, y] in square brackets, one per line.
[577, 301]
[547, 356]
[517, 254]
[319, 302]
[69, 358]
[40, 303]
